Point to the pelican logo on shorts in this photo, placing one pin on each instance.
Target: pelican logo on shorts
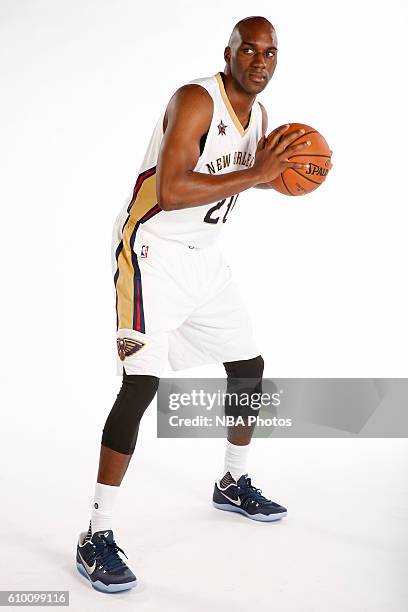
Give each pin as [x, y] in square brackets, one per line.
[144, 250]
[128, 346]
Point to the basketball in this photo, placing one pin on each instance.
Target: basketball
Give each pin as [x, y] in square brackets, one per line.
[295, 182]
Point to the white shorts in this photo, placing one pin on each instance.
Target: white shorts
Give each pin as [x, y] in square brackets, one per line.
[175, 303]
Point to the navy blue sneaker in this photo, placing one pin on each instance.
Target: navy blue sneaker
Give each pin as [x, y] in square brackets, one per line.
[98, 560]
[246, 499]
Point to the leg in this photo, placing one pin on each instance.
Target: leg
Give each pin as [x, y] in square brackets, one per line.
[122, 426]
[244, 378]
[118, 444]
[140, 353]
[112, 466]
[234, 492]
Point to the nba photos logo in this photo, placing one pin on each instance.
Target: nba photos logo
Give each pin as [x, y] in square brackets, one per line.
[144, 251]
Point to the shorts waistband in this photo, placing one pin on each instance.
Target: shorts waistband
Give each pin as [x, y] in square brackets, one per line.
[145, 236]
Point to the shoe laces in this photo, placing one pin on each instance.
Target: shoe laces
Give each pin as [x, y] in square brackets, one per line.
[106, 553]
[248, 490]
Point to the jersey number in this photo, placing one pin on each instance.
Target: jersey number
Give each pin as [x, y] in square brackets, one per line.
[213, 217]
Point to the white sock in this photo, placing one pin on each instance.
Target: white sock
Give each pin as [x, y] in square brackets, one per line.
[235, 459]
[102, 508]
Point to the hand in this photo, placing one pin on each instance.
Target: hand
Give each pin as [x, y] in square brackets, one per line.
[273, 151]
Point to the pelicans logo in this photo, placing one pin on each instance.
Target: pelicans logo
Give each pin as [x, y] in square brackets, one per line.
[128, 346]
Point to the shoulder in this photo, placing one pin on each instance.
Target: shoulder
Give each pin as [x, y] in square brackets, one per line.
[190, 101]
[191, 97]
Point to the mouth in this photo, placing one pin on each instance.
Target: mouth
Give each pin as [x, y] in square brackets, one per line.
[256, 77]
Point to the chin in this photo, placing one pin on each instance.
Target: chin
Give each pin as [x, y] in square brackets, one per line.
[255, 88]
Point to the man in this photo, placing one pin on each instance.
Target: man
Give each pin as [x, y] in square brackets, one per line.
[174, 294]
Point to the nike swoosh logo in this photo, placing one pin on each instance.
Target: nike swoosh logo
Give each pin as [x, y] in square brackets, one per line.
[237, 502]
[88, 568]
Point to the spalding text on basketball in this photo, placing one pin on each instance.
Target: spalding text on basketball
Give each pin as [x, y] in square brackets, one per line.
[316, 170]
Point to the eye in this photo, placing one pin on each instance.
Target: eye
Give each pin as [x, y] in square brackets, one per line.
[270, 54]
[248, 50]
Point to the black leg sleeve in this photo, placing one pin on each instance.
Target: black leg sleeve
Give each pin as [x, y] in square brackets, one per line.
[244, 384]
[122, 425]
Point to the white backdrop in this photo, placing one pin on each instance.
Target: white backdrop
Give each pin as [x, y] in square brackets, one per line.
[324, 276]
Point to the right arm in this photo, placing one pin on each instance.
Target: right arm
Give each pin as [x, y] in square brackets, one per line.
[188, 118]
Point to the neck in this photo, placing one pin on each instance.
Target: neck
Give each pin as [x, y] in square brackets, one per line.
[241, 100]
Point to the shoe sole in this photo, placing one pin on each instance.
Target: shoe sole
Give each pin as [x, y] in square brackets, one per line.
[104, 588]
[264, 518]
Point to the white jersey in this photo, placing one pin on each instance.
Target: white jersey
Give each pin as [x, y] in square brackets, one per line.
[175, 297]
[228, 147]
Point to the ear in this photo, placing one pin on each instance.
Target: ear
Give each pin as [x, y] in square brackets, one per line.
[227, 54]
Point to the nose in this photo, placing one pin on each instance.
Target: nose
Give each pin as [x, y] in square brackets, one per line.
[258, 60]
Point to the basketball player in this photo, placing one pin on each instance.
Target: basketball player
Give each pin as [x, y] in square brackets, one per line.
[175, 298]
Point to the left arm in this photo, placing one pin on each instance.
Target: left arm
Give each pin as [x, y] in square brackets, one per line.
[264, 128]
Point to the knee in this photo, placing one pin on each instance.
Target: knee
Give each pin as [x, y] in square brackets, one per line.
[244, 379]
[246, 368]
[122, 425]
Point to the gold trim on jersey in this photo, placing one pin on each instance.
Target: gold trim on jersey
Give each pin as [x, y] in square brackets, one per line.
[144, 199]
[231, 111]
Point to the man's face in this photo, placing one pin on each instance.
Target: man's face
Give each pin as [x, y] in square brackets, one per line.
[252, 56]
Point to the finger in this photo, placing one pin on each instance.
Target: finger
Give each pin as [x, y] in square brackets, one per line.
[274, 136]
[298, 147]
[261, 143]
[287, 140]
[296, 165]
[279, 130]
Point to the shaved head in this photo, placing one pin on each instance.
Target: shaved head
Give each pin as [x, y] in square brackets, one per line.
[242, 26]
[251, 54]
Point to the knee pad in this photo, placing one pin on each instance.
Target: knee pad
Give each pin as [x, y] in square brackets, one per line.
[122, 425]
[244, 378]
[247, 368]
